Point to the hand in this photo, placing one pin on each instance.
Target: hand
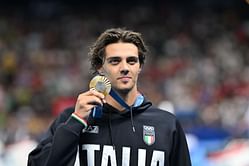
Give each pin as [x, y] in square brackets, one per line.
[86, 101]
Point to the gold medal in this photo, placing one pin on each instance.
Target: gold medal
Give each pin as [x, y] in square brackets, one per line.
[101, 84]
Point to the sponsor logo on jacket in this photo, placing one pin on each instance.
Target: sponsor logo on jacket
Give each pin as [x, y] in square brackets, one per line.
[91, 129]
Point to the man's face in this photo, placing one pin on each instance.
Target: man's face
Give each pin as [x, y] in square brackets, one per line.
[121, 66]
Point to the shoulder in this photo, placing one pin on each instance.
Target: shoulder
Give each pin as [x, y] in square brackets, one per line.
[156, 115]
[161, 112]
[162, 119]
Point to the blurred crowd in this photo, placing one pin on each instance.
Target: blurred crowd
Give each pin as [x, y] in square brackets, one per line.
[197, 68]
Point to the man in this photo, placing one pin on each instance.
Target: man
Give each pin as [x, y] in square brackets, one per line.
[137, 135]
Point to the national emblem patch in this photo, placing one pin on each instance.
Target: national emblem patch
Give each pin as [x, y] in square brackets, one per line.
[149, 135]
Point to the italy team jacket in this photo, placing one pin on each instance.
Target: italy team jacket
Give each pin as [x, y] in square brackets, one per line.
[143, 136]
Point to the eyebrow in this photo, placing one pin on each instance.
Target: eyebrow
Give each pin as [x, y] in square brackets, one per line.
[118, 57]
[113, 57]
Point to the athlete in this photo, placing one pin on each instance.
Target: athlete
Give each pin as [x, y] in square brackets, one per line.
[137, 135]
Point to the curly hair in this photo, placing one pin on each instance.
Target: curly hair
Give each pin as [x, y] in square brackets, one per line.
[115, 35]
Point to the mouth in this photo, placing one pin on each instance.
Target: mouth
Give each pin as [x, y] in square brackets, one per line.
[124, 79]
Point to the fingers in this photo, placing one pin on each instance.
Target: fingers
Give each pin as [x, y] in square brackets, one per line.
[86, 101]
[97, 94]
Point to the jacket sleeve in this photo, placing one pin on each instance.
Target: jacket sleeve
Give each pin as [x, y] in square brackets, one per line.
[59, 146]
[179, 155]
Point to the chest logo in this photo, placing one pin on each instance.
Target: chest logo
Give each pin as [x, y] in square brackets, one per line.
[149, 135]
[91, 129]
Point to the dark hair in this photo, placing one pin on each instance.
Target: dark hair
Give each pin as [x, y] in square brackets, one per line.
[115, 35]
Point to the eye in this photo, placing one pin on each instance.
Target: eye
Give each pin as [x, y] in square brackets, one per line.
[132, 60]
[114, 61]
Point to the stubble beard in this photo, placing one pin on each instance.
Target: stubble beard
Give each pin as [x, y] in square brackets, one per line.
[123, 91]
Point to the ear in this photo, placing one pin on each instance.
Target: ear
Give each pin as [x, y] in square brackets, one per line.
[140, 69]
[101, 71]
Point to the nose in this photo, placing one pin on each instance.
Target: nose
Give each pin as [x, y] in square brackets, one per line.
[124, 68]
[124, 72]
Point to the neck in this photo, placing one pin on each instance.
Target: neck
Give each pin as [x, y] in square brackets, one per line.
[129, 98]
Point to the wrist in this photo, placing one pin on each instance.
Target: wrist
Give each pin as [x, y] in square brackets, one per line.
[79, 119]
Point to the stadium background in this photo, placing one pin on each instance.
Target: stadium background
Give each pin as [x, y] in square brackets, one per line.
[197, 68]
